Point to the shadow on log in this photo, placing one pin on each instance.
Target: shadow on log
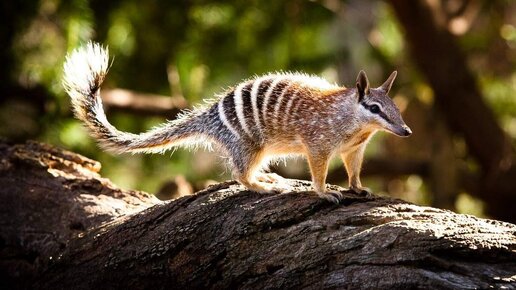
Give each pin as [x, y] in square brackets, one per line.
[63, 227]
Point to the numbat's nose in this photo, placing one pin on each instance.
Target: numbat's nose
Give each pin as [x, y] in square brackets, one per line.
[407, 132]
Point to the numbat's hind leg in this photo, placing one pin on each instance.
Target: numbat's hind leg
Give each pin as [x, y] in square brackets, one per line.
[246, 171]
[270, 178]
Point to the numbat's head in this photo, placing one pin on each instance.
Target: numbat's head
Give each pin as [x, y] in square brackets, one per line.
[376, 109]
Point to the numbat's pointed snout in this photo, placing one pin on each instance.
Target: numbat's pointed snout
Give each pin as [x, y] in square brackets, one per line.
[407, 132]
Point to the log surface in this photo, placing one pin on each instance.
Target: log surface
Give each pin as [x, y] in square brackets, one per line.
[53, 237]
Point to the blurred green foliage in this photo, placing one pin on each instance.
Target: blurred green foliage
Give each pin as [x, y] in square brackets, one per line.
[215, 44]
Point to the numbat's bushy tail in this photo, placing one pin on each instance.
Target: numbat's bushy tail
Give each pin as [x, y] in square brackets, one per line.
[84, 71]
[261, 118]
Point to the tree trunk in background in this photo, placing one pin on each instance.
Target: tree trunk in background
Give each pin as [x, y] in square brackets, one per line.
[457, 95]
[64, 227]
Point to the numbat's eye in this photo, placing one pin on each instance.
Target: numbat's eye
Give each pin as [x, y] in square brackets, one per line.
[374, 109]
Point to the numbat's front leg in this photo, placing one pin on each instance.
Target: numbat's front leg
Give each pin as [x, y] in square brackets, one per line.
[318, 163]
[353, 163]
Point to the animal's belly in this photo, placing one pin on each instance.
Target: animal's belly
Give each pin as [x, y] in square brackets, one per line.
[285, 148]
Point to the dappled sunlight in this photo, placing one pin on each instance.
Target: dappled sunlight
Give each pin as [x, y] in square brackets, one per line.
[178, 55]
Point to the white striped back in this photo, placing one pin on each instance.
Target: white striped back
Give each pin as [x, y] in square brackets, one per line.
[265, 102]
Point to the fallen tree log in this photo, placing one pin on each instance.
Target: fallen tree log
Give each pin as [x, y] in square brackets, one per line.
[63, 226]
[49, 196]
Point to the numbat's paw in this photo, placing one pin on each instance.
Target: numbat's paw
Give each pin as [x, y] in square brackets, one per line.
[331, 196]
[270, 178]
[362, 191]
[266, 188]
[275, 189]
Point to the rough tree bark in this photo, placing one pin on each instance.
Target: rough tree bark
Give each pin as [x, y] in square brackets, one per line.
[63, 226]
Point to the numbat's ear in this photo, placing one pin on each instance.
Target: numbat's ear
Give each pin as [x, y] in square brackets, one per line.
[386, 87]
[362, 85]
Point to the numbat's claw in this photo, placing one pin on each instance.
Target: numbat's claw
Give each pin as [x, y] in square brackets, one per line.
[366, 192]
[332, 196]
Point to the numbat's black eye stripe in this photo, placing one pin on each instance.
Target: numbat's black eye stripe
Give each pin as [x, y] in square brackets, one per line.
[374, 109]
[379, 113]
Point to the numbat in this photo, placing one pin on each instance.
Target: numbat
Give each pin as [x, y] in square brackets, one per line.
[260, 119]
